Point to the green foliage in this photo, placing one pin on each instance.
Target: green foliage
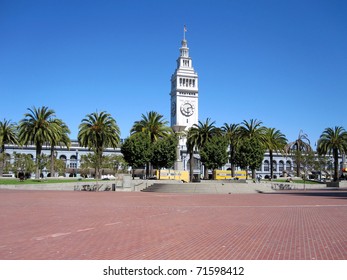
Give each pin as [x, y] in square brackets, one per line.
[231, 133]
[23, 163]
[250, 153]
[61, 137]
[198, 135]
[214, 153]
[274, 141]
[59, 166]
[116, 163]
[137, 150]
[164, 152]
[98, 131]
[153, 125]
[39, 126]
[333, 141]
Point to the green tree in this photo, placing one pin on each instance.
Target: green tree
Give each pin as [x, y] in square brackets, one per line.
[192, 147]
[164, 152]
[231, 133]
[59, 166]
[23, 163]
[253, 132]
[38, 127]
[199, 134]
[214, 153]
[154, 126]
[333, 141]
[116, 163]
[8, 135]
[274, 141]
[61, 137]
[88, 162]
[298, 147]
[250, 154]
[137, 150]
[98, 131]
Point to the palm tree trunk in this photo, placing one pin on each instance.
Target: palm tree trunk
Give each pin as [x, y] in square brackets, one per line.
[336, 165]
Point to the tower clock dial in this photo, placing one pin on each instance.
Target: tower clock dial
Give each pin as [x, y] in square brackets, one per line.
[187, 109]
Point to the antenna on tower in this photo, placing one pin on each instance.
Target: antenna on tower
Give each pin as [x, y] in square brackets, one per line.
[184, 32]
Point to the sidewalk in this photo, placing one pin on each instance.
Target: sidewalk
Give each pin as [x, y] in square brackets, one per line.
[310, 225]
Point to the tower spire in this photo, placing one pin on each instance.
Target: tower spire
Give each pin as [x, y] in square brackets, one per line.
[184, 32]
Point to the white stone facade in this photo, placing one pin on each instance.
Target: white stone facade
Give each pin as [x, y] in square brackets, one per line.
[184, 92]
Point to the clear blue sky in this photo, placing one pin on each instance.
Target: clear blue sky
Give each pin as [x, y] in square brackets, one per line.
[283, 62]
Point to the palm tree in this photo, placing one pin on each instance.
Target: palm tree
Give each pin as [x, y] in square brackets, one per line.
[154, 126]
[8, 135]
[333, 140]
[98, 131]
[299, 147]
[201, 133]
[60, 138]
[38, 127]
[231, 132]
[255, 131]
[275, 141]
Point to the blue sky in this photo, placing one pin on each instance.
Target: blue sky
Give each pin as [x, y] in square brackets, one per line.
[283, 62]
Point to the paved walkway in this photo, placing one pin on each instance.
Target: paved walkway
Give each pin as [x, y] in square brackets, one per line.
[135, 225]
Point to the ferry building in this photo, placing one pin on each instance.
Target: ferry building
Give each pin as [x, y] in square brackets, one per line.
[184, 104]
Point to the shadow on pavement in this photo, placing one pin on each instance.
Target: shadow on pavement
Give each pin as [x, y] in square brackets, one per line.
[341, 194]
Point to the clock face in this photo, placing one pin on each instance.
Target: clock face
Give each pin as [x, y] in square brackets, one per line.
[187, 109]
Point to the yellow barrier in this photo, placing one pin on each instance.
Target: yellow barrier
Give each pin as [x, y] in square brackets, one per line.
[171, 174]
[226, 174]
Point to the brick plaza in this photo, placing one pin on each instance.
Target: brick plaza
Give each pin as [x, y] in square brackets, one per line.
[306, 225]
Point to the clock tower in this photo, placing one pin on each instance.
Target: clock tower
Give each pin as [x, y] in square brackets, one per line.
[184, 91]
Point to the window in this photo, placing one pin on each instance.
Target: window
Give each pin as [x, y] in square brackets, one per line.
[266, 166]
[73, 162]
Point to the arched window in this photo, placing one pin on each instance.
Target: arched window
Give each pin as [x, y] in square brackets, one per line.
[266, 166]
[274, 165]
[73, 162]
[63, 157]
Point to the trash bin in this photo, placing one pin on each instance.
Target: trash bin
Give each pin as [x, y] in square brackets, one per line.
[113, 187]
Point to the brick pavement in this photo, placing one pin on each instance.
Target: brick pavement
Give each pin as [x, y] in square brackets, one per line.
[110, 225]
